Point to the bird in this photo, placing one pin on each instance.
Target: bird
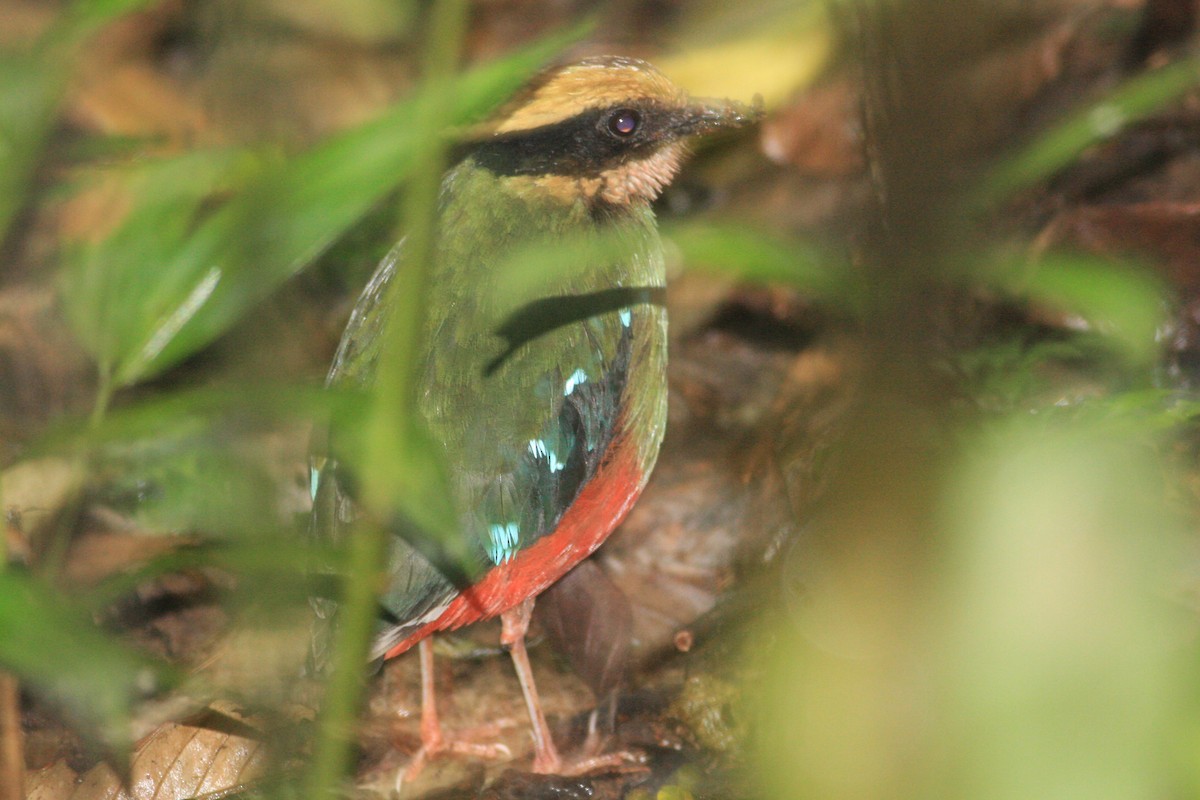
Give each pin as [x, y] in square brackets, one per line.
[550, 405]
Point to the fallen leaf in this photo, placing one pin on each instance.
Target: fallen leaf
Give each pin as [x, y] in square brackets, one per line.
[590, 621]
[796, 45]
[820, 132]
[33, 493]
[181, 760]
[1167, 232]
[44, 373]
[675, 554]
[55, 782]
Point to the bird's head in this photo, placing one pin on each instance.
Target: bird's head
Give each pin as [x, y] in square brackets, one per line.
[609, 130]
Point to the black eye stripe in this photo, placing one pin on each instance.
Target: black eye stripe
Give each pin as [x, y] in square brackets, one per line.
[580, 145]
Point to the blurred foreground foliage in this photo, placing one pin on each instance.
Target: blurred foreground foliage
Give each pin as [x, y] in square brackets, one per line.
[994, 590]
[992, 599]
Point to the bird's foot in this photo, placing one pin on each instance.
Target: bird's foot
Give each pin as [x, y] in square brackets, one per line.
[617, 761]
[587, 762]
[547, 762]
[435, 743]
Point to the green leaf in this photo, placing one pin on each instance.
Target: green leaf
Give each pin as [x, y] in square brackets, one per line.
[32, 84]
[216, 409]
[1055, 149]
[404, 479]
[287, 217]
[1125, 304]
[181, 462]
[191, 481]
[731, 249]
[30, 92]
[1057, 642]
[754, 255]
[84, 17]
[279, 561]
[528, 269]
[52, 647]
[117, 288]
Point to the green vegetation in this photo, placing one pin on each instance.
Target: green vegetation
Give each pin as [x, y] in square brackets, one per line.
[1004, 611]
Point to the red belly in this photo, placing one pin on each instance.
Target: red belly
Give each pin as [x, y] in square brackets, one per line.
[598, 509]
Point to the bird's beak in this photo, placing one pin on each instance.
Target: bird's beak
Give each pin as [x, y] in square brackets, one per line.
[707, 116]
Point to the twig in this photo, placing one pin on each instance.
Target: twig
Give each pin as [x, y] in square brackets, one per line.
[12, 750]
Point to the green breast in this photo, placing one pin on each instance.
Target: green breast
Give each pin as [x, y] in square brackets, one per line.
[521, 440]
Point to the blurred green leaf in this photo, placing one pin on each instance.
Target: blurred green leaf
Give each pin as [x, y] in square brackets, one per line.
[404, 479]
[754, 255]
[404, 482]
[1149, 412]
[32, 84]
[191, 461]
[534, 267]
[280, 560]
[282, 220]
[192, 411]
[1156, 417]
[84, 17]
[1136, 98]
[52, 647]
[726, 249]
[212, 482]
[30, 91]
[1126, 304]
[1037, 652]
[117, 288]
[1059, 651]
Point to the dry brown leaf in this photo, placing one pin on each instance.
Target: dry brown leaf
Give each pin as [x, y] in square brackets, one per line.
[180, 761]
[249, 83]
[590, 621]
[23, 22]
[820, 132]
[1168, 232]
[674, 555]
[43, 372]
[55, 782]
[97, 555]
[121, 88]
[32, 493]
[772, 62]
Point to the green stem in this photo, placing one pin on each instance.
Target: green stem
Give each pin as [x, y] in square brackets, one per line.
[396, 395]
[343, 695]
[104, 393]
[84, 461]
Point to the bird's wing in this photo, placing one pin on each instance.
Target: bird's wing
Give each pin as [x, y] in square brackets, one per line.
[358, 352]
[516, 467]
[541, 454]
[334, 509]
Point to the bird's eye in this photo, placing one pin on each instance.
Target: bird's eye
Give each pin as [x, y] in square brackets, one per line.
[624, 122]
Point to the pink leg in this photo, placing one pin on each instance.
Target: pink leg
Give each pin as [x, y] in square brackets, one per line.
[431, 727]
[433, 741]
[515, 623]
